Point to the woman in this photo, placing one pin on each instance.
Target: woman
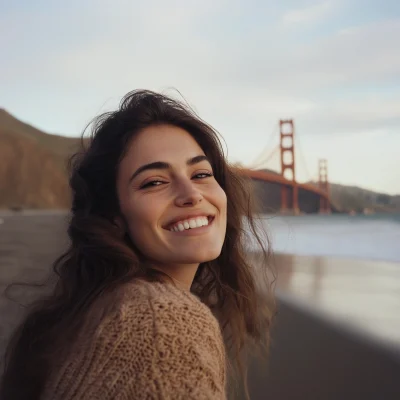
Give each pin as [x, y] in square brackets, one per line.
[156, 255]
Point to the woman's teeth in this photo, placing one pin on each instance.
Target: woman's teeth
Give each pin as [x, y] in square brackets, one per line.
[190, 224]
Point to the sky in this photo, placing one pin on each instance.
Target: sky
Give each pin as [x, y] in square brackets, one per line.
[332, 66]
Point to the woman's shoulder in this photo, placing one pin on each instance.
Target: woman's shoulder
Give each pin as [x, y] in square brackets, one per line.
[150, 332]
[149, 302]
[143, 306]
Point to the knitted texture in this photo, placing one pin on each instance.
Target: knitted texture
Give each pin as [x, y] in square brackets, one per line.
[160, 342]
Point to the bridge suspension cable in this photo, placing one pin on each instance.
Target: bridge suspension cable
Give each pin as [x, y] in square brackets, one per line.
[262, 163]
[309, 176]
[266, 154]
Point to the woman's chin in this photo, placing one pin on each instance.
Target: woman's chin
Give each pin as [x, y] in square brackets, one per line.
[198, 258]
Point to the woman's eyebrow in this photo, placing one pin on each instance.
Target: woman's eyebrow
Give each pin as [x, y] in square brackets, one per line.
[196, 160]
[165, 165]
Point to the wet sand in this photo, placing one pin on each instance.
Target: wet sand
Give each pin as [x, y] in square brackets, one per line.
[29, 243]
[362, 296]
[337, 332]
[336, 336]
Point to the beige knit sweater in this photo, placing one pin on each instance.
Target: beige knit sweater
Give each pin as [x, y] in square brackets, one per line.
[160, 342]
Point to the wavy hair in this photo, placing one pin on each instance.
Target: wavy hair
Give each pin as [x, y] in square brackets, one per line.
[100, 260]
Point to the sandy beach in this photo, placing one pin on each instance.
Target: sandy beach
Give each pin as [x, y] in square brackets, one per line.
[345, 311]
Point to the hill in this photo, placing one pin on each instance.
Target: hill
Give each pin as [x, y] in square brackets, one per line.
[33, 166]
[353, 198]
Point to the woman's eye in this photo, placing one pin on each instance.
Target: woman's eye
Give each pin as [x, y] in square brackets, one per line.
[203, 175]
[151, 184]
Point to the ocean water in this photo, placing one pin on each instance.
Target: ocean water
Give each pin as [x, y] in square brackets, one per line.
[371, 237]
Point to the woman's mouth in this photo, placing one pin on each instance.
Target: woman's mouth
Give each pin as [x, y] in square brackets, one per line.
[191, 223]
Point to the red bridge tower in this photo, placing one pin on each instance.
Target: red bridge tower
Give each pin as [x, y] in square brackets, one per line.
[323, 184]
[289, 196]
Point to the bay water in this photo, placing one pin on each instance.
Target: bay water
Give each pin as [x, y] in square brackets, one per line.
[369, 237]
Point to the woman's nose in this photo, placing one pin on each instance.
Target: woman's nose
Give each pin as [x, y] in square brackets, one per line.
[188, 195]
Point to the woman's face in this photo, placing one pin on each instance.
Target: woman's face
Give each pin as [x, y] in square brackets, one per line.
[174, 209]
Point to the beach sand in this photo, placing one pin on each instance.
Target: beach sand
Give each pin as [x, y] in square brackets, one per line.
[361, 295]
[337, 333]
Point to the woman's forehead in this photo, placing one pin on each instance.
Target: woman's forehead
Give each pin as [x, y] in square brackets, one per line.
[163, 143]
[159, 144]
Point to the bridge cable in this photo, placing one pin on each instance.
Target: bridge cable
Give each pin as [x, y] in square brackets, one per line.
[304, 164]
[261, 156]
[263, 162]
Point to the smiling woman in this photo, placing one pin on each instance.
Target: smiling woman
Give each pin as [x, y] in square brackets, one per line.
[156, 276]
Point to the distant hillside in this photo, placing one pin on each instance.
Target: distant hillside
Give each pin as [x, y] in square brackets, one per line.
[353, 198]
[32, 166]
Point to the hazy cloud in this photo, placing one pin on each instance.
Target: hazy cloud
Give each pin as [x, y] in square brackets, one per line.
[309, 14]
[242, 65]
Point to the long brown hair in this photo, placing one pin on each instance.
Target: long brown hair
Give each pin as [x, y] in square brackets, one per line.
[100, 259]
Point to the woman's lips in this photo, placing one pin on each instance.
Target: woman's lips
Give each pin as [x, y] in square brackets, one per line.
[190, 222]
[195, 230]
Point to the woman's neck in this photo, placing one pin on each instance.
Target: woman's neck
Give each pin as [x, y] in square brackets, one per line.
[181, 275]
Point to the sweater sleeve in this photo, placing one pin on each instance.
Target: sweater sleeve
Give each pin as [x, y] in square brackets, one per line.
[162, 347]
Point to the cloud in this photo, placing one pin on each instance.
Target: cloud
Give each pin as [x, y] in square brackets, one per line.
[361, 54]
[307, 15]
[158, 46]
[236, 62]
[364, 55]
[343, 117]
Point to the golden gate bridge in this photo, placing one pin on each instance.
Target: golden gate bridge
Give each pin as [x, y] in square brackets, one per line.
[294, 197]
